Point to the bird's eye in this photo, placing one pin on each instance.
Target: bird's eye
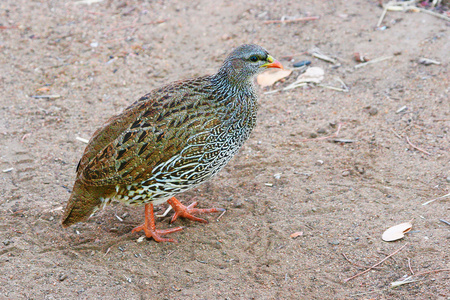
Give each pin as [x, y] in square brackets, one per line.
[254, 58]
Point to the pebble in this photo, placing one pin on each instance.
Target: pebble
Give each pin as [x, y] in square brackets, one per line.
[448, 179]
[373, 111]
[319, 162]
[6, 242]
[62, 277]
[302, 63]
[321, 130]
[313, 135]
[238, 204]
[333, 242]
[345, 173]
[277, 175]
[360, 170]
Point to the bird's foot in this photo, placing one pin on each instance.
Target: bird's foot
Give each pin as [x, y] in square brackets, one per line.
[187, 211]
[149, 227]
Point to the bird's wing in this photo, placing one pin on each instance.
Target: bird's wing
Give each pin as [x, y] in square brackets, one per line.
[149, 132]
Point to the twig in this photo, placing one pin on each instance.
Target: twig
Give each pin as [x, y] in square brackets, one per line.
[358, 265]
[432, 200]
[293, 55]
[165, 213]
[367, 270]
[292, 20]
[324, 57]
[409, 265]
[365, 293]
[82, 140]
[432, 271]
[417, 148]
[218, 218]
[8, 27]
[373, 61]
[434, 14]
[332, 88]
[383, 14]
[396, 134]
[325, 137]
[46, 96]
[443, 221]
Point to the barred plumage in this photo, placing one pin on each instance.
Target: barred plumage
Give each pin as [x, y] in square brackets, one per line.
[170, 140]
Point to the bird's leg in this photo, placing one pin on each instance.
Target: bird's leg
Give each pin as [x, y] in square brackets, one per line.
[187, 211]
[149, 227]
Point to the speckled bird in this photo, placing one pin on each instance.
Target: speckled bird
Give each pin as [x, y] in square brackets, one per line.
[169, 141]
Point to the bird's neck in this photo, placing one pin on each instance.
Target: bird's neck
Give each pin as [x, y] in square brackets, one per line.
[237, 84]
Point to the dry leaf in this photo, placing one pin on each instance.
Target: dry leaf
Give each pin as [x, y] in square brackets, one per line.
[296, 234]
[313, 74]
[271, 76]
[396, 232]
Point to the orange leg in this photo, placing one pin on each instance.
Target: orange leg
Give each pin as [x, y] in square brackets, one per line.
[186, 212]
[149, 227]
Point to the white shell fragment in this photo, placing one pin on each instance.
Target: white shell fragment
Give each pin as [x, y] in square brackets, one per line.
[396, 232]
[312, 75]
[271, 76]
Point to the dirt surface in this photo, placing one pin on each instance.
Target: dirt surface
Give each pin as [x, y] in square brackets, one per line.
[341, 196]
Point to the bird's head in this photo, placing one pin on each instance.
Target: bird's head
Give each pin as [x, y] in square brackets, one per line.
[245, 62]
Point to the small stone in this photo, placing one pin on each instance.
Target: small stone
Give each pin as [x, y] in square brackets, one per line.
[189, 271]
[319, 162]
[313, 135]
[333, 242]
[296, 234]
[6, 242]
[345, 173]
[62, 277]
[373, 111]
[321, 130]
[448, 179]
[277, 175]
[309, 191]
[360, 170]
[238, 204]
[302, 63]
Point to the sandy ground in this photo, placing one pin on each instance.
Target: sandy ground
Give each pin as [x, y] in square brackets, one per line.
[341, 196]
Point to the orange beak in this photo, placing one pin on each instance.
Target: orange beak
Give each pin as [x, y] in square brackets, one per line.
[272, 63]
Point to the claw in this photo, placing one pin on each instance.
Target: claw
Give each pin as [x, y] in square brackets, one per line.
[149, 227]
[187, 211]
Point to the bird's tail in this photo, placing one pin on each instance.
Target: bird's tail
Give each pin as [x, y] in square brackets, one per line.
[83, 202]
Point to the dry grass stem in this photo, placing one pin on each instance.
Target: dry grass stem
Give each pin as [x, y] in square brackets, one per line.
[443, 221]
[292, 20]
[380, 262]
[355, 264]
[417, 148]
[375, 60]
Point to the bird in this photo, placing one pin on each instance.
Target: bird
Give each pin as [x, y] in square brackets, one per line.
[170, 140]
